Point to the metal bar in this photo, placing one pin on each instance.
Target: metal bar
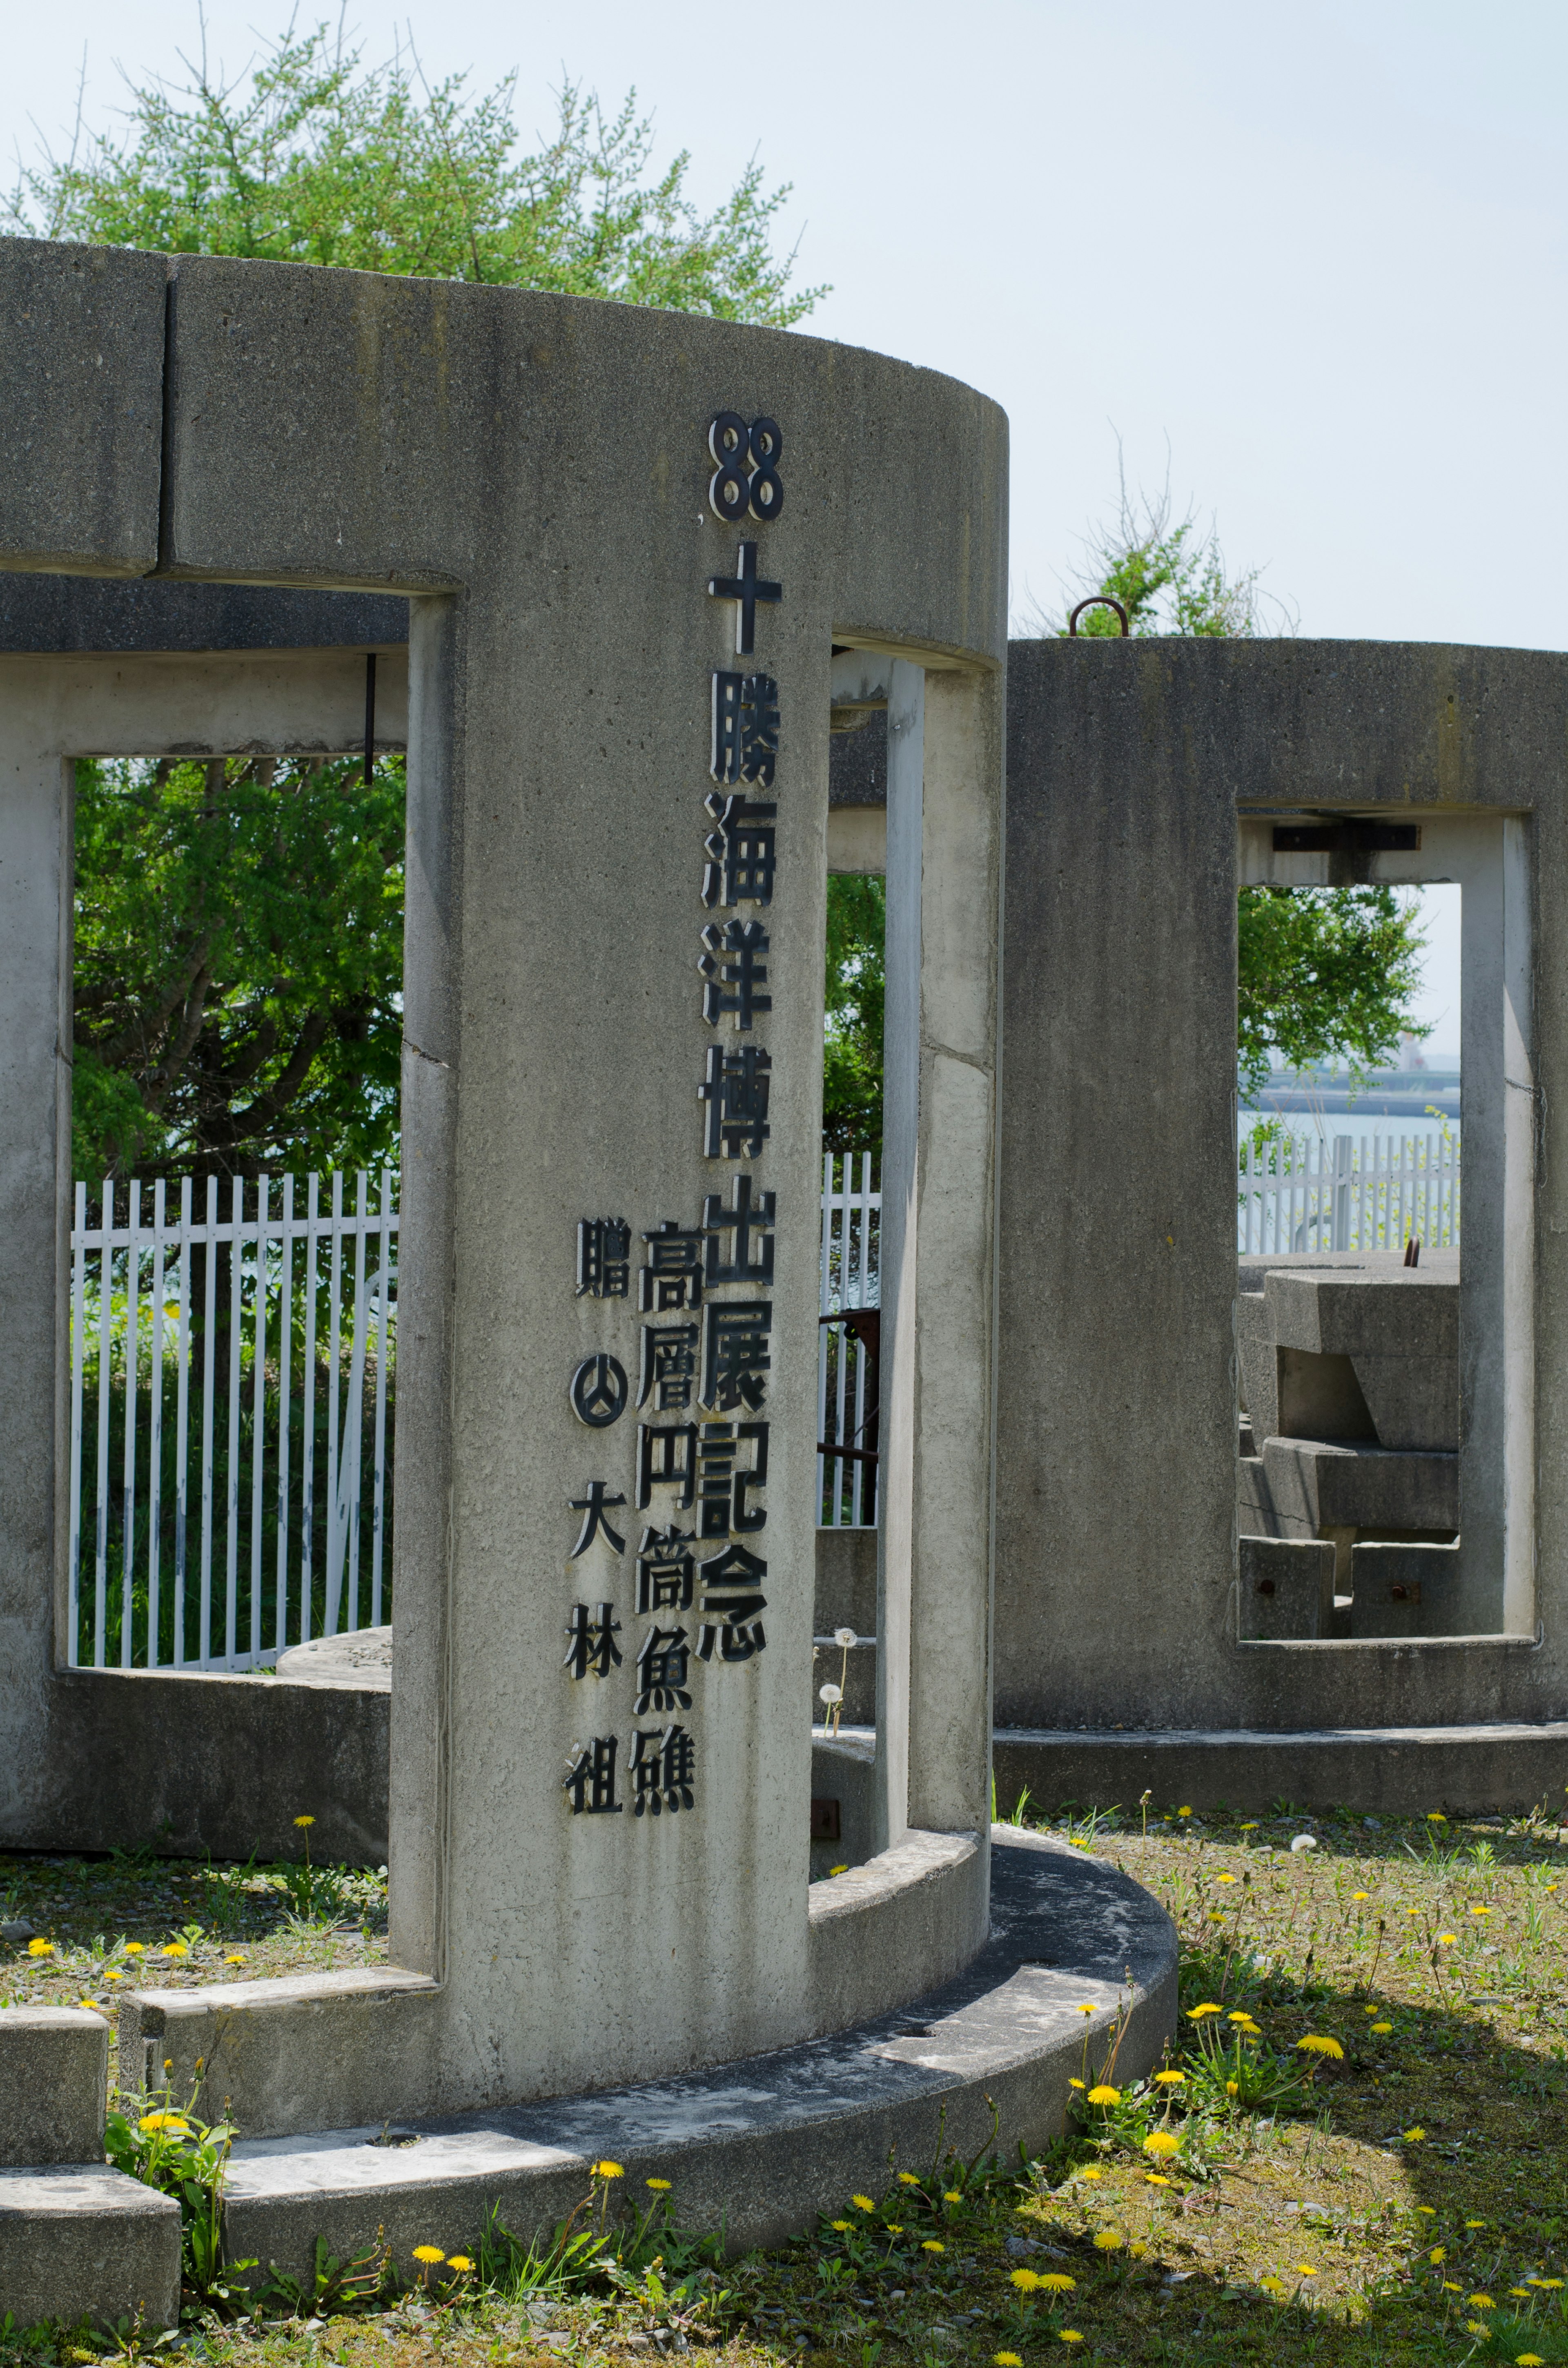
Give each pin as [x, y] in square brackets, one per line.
[258, 1412]
[285, 1358]
[308, 1415]
[100, 1531]
[156, 1426]
[232, 1478]
[384, 1366]
[208, 1317]
[182, 1422]
[78, 1316]
[132, 1364]
[334, 1445]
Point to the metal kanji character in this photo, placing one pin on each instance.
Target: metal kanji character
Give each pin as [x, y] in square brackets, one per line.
[669, 1366]
[590, 1779]
[723, 1491]
[741, 1219]
[604, 1256]
[664, 1570]
[735, 1356]
[734, 970]
[672, 1274]
[667, 1458]
[741, 853]
[737, 1091]
[663, 1769]
[746, 728]
[731, 1597]
[661, 1672]
[592, 1506]
[592, 1651]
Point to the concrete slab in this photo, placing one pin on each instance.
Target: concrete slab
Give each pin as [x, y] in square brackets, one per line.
[1477, 1770]
[761, 2146]
[82, 2241]
[53, 2084]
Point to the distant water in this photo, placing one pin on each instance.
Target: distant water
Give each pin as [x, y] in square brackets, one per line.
[1309, 1127]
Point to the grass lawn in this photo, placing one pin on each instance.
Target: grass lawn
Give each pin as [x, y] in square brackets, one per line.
[1395, 2194]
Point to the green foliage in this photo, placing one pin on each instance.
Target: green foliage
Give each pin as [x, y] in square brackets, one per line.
[239, 965]
[1325, 975]
[186, 2158]
[855, 989]
[313, 157]
[1171, 578]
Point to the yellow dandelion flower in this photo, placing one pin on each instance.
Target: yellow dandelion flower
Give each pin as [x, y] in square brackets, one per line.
[1428, 2211]
[459, 2261]
[894, 2227]
[1184, 1813]
[1108, 2241]
[1475, 2224]
[1305, 2270]
[862, 2203]
[174, 1949]
[1361, 1894]
[40, 1947]
[1076, 2084]
[1446, 1940]
[236, 1960]
[1160, 2143]
[1546, 2286]
[1224, 1878]
[1381, 2029]
[907, 2178]
[1316, 2044]
[1156, 2178]
[1138, 2248]
[1450, 2287]
[429, 2253]
[1085, 2010]
[929, 2245]
[1169, 2080]
[1521, 2294]
[843, 2226]
[1438, 2253]
[1238, 2014]
[136, 1948]
[1196, 2013]
[1250, 1827]
[311, 1821]
[112, 1974]
[1006, 2360]
[1272, 2285]
[172, 2124]
[1477, 2327]
[608, 2170]
[1529, 2360]
[951, 2195]
[662, 2187]
[1232, 2087]
[1027, 2280]
[1090, 2170]
[1071, 2335]
[1415, 2137]
[1103, 2094]
[1436, 1817]
[1480, 2301]
[836, 1870]
[1057, 2281]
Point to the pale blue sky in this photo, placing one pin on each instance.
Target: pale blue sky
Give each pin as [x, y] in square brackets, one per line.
[1318, 252]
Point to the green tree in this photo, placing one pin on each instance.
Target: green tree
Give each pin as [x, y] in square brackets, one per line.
[238, 929]
[313, 157]
[239, 955]
[1325, 975]
[852, 1051]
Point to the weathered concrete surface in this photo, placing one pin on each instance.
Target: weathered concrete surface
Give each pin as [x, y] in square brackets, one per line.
[1405, 1590]
[1321, 1485]
[73, 614]
[843, 1769]
[846, 1581]
[1285, 1586]
[1135, 771]
[53, 2084]
[922, 1906]
[362, 1657]
[762, 2146]
[81, 407]
[83, 2241]
[1470, 1768]
[199, 1763]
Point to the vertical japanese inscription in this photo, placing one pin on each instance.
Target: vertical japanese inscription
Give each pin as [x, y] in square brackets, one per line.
[703, 1305]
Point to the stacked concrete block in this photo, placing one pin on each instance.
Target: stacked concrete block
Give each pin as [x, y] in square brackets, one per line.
[1350, 1375]
[78, 2240]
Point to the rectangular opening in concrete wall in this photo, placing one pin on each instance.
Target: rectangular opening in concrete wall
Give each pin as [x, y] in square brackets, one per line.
[230, 1329]
[1385, 1228]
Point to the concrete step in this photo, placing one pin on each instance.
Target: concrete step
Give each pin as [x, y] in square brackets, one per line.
[79, 2240]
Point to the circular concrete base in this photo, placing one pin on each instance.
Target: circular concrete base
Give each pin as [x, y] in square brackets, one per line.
[762, 2146]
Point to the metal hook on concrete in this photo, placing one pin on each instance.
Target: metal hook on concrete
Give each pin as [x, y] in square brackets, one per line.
[1098, 600]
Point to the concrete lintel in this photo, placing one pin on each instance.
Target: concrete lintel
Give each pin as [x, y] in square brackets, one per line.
[761, 2147]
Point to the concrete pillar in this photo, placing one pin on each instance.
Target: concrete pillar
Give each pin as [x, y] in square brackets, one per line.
[939, 1237]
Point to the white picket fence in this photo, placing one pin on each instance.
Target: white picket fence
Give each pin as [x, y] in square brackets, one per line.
[130, 1287]
[851, 1277]
[1315, 1193]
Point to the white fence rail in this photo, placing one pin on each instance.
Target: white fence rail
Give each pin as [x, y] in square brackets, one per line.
[190, 1448]
[1307, 1193]
[846, 1367]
